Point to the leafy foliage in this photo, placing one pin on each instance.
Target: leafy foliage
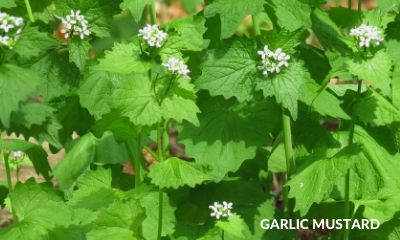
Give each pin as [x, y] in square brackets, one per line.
[271, 108]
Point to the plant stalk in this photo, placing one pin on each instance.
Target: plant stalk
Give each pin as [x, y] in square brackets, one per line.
[160, 151]
[349, 4]
[29, 10]
[289, 154]
[359, 6]
[8, 174]
[347, 210]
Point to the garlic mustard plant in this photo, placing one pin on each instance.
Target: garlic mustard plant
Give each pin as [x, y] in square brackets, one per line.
[75, 24]
[272, 61]
[176, 66]
[221, 210]
[367, 35]
[153, 35]
[10, 29]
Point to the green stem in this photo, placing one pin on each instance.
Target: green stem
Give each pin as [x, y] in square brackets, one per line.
[289, 154]
[223, 235]
[347, 210]
[134, 152]
[153, 14]
[160, 151]
[29, 9]
[8, 174]
[359, 6]
[349, 4]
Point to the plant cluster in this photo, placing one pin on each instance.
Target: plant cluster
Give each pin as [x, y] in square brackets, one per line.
[202, 126]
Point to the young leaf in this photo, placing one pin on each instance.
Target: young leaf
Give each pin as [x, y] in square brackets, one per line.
[292, 14]
[228, 133]
[124, 58]
[15, 85]
[175, 173]
[376, 110]
[229, 71]
[79, 52]
[95, 92]
[321, 100]
[136, 99]
[376, 70]
[136, 7]
[34, 43]
[232, 12]
[7, 4]
[285, 86]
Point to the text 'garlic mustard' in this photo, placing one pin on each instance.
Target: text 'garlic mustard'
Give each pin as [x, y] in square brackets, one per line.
[272, 62]
[366, 35]
[176, 66]
[75, 24]
[10, 29]
[219, 210]
[153, 35]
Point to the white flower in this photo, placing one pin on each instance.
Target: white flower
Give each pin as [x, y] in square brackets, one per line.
[153, 35]
[177, 66]
[10, 29]
[221, 210]
[17, 154]
[272, 62]
[366, 35]
[75, 24]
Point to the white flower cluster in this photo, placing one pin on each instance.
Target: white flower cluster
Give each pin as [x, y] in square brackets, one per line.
[17, 154]
[272, 62]
[10, 29]
[366, 35]
[221, 210]
[75, 24]
[176, 66]
[153, 35]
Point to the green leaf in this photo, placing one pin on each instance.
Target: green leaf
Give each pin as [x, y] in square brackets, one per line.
[383, 206]
[135, 98]
[229, 133]
[175, 173]
[285, 86]
[110, 233]
[79, 52]
[33, 113]
[191, 5]
[34, 43]
[187, 36]
[328, 33]
[36, 154]
[376, 110]
[376, 70]
[150, 203]
[136, 7]
[229, 70]
[35, 218]
[292, 14]
[234, 228]
[57, 75]
[15, 85]
[232, 12]
[370, 165]
[88, 149]
[321, 101]
[95, 92]
[7, 4]
[94, 190]
[388, 5]
[124, 58]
